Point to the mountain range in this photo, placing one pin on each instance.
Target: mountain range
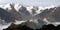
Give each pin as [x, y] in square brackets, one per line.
[33, 16]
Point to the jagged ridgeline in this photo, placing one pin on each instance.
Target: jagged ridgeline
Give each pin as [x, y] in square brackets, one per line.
[24, 27]
[12, 12]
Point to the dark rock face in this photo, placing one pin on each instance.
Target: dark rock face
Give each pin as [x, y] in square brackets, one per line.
[48, 27]
[4, 15]
[18, 27]
[24, 27]
[58, 27]
[24, 10]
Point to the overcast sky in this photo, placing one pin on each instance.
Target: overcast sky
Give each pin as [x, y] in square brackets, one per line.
[32, 2]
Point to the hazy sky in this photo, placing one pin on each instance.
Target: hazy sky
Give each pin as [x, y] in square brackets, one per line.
[32, 2]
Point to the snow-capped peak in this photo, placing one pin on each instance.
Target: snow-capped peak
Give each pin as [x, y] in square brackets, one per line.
[17, 6]
[7, 6]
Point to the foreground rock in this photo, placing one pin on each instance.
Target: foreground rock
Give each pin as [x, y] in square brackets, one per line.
[49, 27]
[24, 27]
[17, 27]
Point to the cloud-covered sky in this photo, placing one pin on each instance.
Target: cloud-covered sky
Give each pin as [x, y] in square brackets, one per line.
[32, 2]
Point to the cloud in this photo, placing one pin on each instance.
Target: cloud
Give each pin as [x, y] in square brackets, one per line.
[32, 2]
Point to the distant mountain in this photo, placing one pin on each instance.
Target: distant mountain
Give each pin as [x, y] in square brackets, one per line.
[18, 12]
[51, 14]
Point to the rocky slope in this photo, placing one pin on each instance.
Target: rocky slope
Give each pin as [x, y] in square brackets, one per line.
[24, 27]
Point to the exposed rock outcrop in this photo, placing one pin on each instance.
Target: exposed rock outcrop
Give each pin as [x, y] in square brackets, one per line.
[24, 27]
[18, 27]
